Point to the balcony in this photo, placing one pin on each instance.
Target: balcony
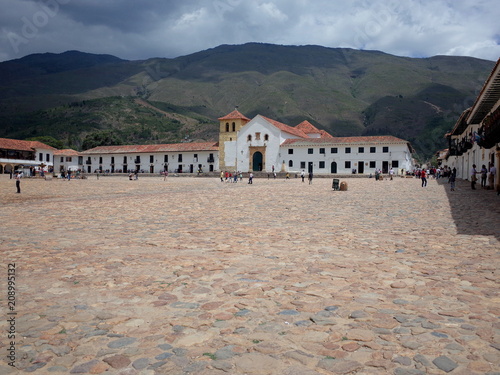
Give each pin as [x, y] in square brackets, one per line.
[210, 160]
[88, 162]
[491, 130]
[7, 154]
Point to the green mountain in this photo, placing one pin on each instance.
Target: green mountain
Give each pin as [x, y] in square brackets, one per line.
[74, 95]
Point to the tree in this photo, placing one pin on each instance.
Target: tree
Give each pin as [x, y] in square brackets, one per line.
[101, 138]
[49, 141]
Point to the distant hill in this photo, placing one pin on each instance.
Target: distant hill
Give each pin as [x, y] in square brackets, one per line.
[344, 91]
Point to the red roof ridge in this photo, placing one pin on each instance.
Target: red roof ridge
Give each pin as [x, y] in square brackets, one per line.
[340, 140]
[307, 127]
[66, 151]
[286, 128]
[17, 144]
[235, 115]
[167, 147]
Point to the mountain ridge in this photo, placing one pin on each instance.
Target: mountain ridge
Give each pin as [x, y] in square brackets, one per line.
[343, 91]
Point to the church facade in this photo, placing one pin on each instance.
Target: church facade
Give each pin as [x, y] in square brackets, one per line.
[263, 144]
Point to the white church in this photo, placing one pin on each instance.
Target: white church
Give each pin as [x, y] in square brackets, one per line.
[263, 144]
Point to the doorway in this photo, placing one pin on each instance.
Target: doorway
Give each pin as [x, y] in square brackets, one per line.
[257, 161]
[333, 167]
[361, 167]
[385, 167]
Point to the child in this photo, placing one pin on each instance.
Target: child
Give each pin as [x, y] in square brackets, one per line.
[452, 182]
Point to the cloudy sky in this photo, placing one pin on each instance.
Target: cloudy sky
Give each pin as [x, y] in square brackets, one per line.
[140, 29]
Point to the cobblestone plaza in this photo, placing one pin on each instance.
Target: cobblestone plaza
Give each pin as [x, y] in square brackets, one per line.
[195, 276]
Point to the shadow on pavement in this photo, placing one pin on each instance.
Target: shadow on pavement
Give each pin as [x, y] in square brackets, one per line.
[475, 212]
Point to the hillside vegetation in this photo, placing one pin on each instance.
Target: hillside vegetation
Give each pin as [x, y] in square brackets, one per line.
[346, 92]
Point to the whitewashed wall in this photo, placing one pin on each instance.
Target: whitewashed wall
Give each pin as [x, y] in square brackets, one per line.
[47, 156]
[158, 163]
[399, 152]
[258, 125]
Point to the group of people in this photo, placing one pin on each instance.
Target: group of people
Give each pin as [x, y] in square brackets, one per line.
[132, 176]
[231, 177]
[378, 174]
[424, 174]
[487, 176]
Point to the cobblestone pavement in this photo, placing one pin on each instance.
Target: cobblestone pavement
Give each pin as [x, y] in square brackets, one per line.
[195, 276]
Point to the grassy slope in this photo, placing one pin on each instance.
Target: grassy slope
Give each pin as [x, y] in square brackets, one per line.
[346, 92]
[132, 122]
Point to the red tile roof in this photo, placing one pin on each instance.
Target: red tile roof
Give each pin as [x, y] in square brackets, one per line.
[16, 144]
[307, 128]
[346, 140]
[67, 152]
[174, 147]
[286, 128]
[235, 115]
[325, 134]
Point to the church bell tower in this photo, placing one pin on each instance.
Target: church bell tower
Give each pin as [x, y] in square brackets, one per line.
[229, 127]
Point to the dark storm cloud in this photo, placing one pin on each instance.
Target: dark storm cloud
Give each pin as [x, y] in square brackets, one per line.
[126, 16]
[152, 28]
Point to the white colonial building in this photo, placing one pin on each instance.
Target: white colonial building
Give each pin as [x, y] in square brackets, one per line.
[177, 158]
[263, 144]
[67, 160]
[475, 139]
[26, 156]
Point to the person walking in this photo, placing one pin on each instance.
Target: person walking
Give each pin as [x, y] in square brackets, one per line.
[423, 177]
[473, 177]
[452, 179]
[310, 178]
[18, 182]
[250, 178]
[302, 175]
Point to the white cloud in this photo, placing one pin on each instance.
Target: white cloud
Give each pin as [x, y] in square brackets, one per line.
[272, 12]
[489, 50]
